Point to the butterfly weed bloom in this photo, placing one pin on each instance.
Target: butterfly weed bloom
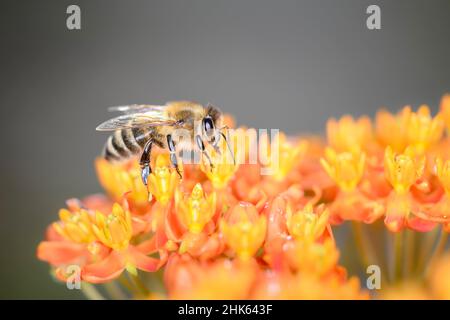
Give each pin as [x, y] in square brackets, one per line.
[347, 134]
[307, 224]
[345, 168]
[196, 210]
[244, 230]
[162, 182]
[119, 179]
[228, 231]
[75, 226]
[223, 169]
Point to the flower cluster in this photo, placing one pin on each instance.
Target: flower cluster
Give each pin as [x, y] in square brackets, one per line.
[228, 232]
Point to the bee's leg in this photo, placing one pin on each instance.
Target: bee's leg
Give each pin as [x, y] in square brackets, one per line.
[173, 154]
[145, 161]
[202, 148]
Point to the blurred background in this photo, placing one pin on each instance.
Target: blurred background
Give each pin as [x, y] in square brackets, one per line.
[272, 64]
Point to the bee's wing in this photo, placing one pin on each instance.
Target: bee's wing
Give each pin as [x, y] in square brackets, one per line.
[133, 120]
[137, 108]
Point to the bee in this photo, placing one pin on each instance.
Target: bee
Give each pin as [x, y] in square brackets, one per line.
[142, 126]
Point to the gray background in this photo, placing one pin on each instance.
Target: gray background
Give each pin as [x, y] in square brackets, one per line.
[277, 64]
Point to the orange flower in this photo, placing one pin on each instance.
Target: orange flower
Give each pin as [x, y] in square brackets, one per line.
[244, 230]
[402, 170]
[119, 179]
[315, 258]
[162, 182]
[307, 287]
[100, 246]
[75, 226]
[349, 135]
[346, 169]
[306, 225]
[115, 231]
[287, 155]
[391, 129]
[423, 130]
[417, 129]
[196, 210]
[223, 168]
[71, 240]
[186, 278]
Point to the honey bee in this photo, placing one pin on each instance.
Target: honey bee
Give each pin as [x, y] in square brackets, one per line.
[142, 126]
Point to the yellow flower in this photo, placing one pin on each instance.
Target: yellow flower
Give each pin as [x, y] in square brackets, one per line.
[114, 230]
[162, 182]
[196, 210]
[245, 230]
[75, 226]
[120, 178]
[306, 224]
[423, 130]
[346, 168]
[415, 129]
[288, 154]
[223, 168]
[312, 257]
[443, 173]
[402, 170]
[348, 134]
[391, 128]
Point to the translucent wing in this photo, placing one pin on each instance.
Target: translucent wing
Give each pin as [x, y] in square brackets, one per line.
[137, 108]
[133, 120]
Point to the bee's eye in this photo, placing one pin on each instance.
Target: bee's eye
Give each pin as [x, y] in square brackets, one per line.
[208, 126]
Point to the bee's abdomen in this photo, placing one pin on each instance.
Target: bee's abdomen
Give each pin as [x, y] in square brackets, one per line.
[123, 144]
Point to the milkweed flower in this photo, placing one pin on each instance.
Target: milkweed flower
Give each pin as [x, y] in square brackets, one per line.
[264, 229]
[402, 170]
[349, 135]
[162, 182]
[345, 168]
[119, 179]
[196, 210]
[307, 224]
[244, 230]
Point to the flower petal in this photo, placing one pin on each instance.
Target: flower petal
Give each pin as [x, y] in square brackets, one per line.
[144, 262]
[104, 270]
[62, 252]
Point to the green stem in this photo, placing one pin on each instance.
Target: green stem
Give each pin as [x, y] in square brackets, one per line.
[425, 249]
[409, 253]
[365, 249]
[91, 292]
[115, 291]
[398, 255]
[137, 281]
[439, 249]
[360, 243]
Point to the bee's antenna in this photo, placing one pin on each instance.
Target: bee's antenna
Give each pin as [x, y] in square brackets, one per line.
[228, 144]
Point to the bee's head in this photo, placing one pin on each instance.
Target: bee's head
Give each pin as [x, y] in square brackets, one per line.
[211, 124]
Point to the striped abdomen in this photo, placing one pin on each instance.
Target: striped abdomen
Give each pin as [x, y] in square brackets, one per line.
[125, 143]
